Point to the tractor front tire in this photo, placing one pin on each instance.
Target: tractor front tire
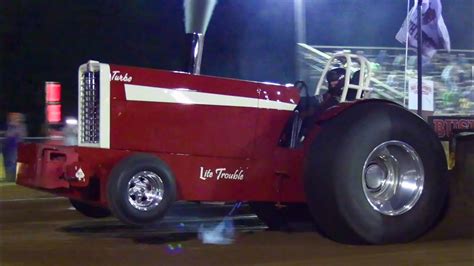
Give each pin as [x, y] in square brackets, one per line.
[140, 189]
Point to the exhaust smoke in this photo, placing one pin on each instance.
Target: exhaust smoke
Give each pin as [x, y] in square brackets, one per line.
[197, 14]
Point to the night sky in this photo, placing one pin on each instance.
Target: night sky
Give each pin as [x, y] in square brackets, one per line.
[47, 40]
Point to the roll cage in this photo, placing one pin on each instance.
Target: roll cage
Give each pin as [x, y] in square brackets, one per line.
[356, 82]
[357, 76]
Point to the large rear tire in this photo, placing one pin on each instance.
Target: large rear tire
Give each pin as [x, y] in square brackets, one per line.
[140, 189]
[375, 174]
[90, 210]
[287, 217]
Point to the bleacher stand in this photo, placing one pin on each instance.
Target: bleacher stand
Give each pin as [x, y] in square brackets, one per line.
[451, 73]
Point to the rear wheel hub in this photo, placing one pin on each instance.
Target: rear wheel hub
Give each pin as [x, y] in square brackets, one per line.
[393, 178]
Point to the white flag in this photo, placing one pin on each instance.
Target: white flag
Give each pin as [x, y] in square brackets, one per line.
[435, 34]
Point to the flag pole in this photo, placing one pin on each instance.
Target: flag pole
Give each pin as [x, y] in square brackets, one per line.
[419, 58]
[405, 81]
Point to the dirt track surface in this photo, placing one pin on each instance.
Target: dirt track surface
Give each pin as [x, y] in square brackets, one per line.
[40, 229]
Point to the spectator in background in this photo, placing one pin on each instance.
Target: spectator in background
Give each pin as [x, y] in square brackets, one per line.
[16, 131]
[381, 59]
[399, 62]
[450, 74]
[450, 77]
[393, 79]
[464, 70]
[70, 132]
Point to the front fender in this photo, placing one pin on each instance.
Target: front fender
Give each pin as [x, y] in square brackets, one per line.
[342, 107]
[335, 111]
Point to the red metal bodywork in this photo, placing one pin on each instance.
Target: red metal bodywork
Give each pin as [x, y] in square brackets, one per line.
[190, 138]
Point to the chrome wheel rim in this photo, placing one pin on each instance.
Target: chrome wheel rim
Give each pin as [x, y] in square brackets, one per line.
[393, 178]
[145, 190]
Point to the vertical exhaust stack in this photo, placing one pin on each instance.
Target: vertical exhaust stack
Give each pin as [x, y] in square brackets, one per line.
[197, 14]
[193, 47]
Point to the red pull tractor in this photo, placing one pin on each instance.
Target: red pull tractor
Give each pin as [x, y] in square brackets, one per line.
[362, 170]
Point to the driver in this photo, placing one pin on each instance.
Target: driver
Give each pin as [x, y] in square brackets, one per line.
[311, 107]
[335, 78]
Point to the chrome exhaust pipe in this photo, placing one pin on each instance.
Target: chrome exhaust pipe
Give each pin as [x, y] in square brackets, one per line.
[194, 46]
[197, 14]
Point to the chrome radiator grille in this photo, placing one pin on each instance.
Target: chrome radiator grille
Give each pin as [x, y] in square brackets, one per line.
[89, 107]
